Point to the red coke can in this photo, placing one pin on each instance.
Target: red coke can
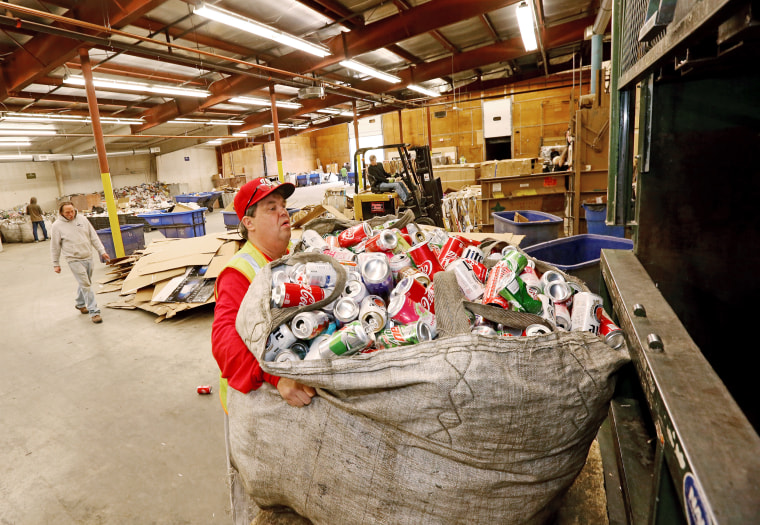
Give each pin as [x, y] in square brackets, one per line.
[428, 302]
[354, 235]
[491, 295]
[609, 331]
[292, 294]
[451, 250]
[480, 270]
[425, 259]
[204, 389]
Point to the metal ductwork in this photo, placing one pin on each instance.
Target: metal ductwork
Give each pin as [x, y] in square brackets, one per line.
[55, 157]
[602, 18]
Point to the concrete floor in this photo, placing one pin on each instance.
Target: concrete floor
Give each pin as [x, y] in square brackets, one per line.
[102, 423]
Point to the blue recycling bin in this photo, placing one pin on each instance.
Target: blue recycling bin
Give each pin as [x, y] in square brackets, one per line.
[301, 180]
[178, 224]
[314, 179]
[579, 255]
[541, 227]
[596, 215]
[132, 238]
[351, 177]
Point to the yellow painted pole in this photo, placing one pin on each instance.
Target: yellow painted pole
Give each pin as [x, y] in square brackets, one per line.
[100, 146]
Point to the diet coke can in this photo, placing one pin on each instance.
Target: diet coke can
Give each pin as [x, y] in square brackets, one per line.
[372, 313]
[354, 235]
[471, 287]
[583, 318]
[451, 251]
[292, 294]
[609, 331]
[424, 259]
[377, 276]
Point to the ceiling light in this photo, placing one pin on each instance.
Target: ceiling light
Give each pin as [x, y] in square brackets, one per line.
[139, 87]
[329, 111]
[361, 68]
[27, 132]
[207, 122]
[347, 114]
[255, 101]
[525, 21]
[246, 24]
[15, 144]
[320, 120]
[40, 118]
[279, 125]
[214, 142]
[424, 91]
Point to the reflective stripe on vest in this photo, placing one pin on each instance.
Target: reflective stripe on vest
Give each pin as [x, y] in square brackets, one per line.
[248, 261]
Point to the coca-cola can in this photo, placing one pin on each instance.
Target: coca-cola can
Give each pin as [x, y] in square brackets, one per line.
[428, 302]
[308, 325]
[346, 310]
[424, 259]
[204, 389]
[372, 312]
[403, 310]
[562, 316]
[293, 294]
[399, 262]
[451, 251]
[311, 238]
[471, 287]
[473, 253]
[377, 276]
[354, 235]
[496, 276]
[609, 331]
[410, 287]
[355, 290]
[480, 270]
[382, 241]
[536, 329]
[583, 317]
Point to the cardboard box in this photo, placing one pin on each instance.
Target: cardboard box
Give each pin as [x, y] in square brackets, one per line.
[488, 169]
[457, 176]
[517, 167]
[522, 186]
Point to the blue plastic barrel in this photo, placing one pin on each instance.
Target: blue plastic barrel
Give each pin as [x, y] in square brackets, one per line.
[596, 215]
[540, 227]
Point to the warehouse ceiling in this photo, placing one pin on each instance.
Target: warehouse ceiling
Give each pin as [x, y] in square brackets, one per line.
[447, 46]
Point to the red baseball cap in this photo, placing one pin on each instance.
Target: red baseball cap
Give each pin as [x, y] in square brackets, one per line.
[252, 192]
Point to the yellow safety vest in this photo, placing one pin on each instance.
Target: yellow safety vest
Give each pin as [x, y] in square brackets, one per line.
[248, 261]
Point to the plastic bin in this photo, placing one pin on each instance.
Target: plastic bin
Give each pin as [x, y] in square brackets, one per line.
[542, 226]
[132, 237]
[579, 255]
[351, 177]
[231, 220]
[301, 180]
[314, 178]
[178, 224]
[596, 214]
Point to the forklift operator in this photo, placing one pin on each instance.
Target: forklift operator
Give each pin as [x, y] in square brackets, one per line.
[380, 181]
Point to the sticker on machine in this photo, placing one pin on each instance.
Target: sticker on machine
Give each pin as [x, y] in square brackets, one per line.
[697, 509]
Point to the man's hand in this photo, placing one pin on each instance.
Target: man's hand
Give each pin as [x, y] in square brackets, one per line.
[295, 393]
[105, 258]
[57, 269]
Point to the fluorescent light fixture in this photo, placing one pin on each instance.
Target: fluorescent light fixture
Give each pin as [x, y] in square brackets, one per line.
[15, 138]
[279, 126]
[207, 122]
[27, 132]
[424, 91]
[139, 87]
[361, 68]
[525, 21]
[255, 101]
[246, 24]
[40, 118]
[215, 142]
[329, 111]
[15, 144]
[347, 114]
[320, 121]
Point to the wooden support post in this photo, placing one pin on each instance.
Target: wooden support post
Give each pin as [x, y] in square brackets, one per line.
[400, 128]
[275, 123]
[358, 179]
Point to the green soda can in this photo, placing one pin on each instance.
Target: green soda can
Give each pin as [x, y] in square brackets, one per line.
[516, 261]
[513, 289]
[352, 338]
[402, 246]
[405, 334]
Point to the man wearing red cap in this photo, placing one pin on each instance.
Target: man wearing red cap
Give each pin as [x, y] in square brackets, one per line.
[265, 224]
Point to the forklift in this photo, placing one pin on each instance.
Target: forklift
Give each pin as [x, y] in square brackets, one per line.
[426, 190]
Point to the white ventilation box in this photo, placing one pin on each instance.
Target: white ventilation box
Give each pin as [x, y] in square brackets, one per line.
[311, 92]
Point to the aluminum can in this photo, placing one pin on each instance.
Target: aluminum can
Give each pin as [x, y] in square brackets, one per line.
[422, 278]
[473, 253]
[479, 320]
[312, 239]
[372, 313]
[452, 249]
[424, 259]
[418, 236]
[402, 310]
[531, 280]
[301, 348]
[332, 241]
[401, 335]
[428, 302]
[438, 237]
[411, 288]
[562, 316]
[550, 276]
[574, 289]
[355, 290]
[308, 325]
[403, 243]
[508, 331]
[352, 338]
[340, 254]
[492, 258]
[609, 331]
[320, 274]
[204, 389]
[377, 276]
[279, 277]
[287, 355]
[483, 330]
[313, 344]
[411, 229]
[481, 272]
[406, 272]
[471, 287]
[491, 294]
[383, 241]
[583, 317]
[517, 261]
[558, 291]
[536, 329]
[513, 290]
[296, 274]
[398, 262]
[354, 235]
[508, 248]
[346, 310]
[293, 294]
[352, 272]
[281, 338]
[547, 308]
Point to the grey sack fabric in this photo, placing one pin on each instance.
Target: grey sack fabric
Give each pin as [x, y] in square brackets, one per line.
[462, 429]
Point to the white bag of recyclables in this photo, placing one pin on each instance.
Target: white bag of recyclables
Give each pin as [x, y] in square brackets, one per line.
[462, 429]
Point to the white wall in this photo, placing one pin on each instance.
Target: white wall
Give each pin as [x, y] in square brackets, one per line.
[16, 189]
[83, 176]
[192, 166]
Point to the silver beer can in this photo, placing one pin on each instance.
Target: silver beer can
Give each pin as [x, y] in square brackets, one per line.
[550, 276]
[583, 318]
[287, 355]
[373, 313]
[473, 253]
[355, 290]
[346, 310]
[308, 325]
[558, 291]
[471, 287]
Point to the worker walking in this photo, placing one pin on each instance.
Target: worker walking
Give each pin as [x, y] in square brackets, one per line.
[38, 219]
[265, 226]
[74, 237]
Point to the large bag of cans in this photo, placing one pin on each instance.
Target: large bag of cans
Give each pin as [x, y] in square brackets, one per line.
[460, 419]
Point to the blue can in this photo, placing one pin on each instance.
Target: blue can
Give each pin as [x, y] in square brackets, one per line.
[377, 276]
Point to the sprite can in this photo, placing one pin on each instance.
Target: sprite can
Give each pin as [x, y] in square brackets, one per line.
[513, 289]
[516, 261]
[352, 338]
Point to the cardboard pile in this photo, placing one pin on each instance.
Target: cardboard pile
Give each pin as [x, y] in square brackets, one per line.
[171, 275]
[461, 210]
[457, 176]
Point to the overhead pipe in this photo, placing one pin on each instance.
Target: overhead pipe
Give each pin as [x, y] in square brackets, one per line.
[597, 31]
[56, 157]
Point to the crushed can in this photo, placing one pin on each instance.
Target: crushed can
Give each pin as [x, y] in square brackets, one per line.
[402, 335]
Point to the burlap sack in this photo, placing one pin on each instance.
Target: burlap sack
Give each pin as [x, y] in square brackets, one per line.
[462, 429]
